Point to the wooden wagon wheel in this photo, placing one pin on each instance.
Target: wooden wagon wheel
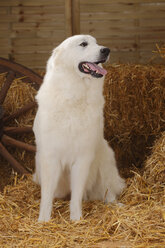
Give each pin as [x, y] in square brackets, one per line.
[15, 70]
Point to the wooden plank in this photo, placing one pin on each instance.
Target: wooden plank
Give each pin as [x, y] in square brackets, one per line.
[10, 3]
[148, 7]
[59, 2]
[118, 44]
[30, 2]
[4, 26]
[24, 26]
[29, 57]
[147, 46]
[75, 17]
[34, 49]
[31, 18]
[122, 31]
[68, 18]
[6, 50]
[4, 10]
[15, 34]
[42, 18]
[128, 47]
[31, 60]
[104, 24]
[114, 35]
[86, 2]
[43, 2]
[119, 15]
[5, 34]
[39, 26]
[125, 11]
[38, 10]
[35, 41]
[57, 26]
[148, 57]
[153, 22]
[57, 34]
[124, 57]
[4, 55]
[153, 36]
[34, 64]
[115, 39]
[52, 24]
[9, 18]
[4, 42]
[95, 26]
[110, 8]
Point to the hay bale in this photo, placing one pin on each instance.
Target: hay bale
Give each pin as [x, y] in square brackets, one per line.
[19, 94]
[134, 110]
[160, 51]
[139, 223]
[134, 114]
[154, 168]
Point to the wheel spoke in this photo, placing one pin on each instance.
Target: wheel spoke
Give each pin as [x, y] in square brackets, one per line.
[19, 112]
[13, 142]
[6, 86]
[14, 163]
[17, 130]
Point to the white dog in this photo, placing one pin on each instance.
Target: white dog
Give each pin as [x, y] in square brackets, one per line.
[72, 155]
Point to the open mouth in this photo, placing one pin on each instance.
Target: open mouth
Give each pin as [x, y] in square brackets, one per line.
[93, 68]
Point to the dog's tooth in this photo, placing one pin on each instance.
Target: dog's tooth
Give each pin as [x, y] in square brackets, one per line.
[86, 66]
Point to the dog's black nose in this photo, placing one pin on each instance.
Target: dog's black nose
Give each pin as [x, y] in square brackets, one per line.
[105, 51]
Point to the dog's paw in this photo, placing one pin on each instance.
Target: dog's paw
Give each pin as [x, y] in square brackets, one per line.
[75, 210]
[119, 204]
[75, 217]
[43, 218]
[116, 203]
[109, 197]
[45, 213]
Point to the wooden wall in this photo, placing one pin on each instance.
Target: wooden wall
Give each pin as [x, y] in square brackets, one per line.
[30, 29]
[130, 28]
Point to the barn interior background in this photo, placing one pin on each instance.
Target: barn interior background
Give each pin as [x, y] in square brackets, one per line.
[29, 29]
[134, 119]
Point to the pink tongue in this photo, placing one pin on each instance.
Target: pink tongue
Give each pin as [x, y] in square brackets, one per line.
[97, 68]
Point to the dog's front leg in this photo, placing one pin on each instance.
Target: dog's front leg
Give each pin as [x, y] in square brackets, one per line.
[79, 175]
[50, 175]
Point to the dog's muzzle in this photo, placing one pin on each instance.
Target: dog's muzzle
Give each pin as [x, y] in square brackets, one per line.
[93, 68]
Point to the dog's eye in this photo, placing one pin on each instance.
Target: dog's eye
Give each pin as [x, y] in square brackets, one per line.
[84, 44]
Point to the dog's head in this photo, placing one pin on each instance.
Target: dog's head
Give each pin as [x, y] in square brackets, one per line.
[82, 54]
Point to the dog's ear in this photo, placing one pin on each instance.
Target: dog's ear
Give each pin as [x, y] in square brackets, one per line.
[54, 58]
[56, 54]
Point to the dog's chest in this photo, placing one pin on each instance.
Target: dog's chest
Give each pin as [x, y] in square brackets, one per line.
[77, 115]
[70, 111]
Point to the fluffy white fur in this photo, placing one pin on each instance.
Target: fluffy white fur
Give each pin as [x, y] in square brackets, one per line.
[72, 154]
